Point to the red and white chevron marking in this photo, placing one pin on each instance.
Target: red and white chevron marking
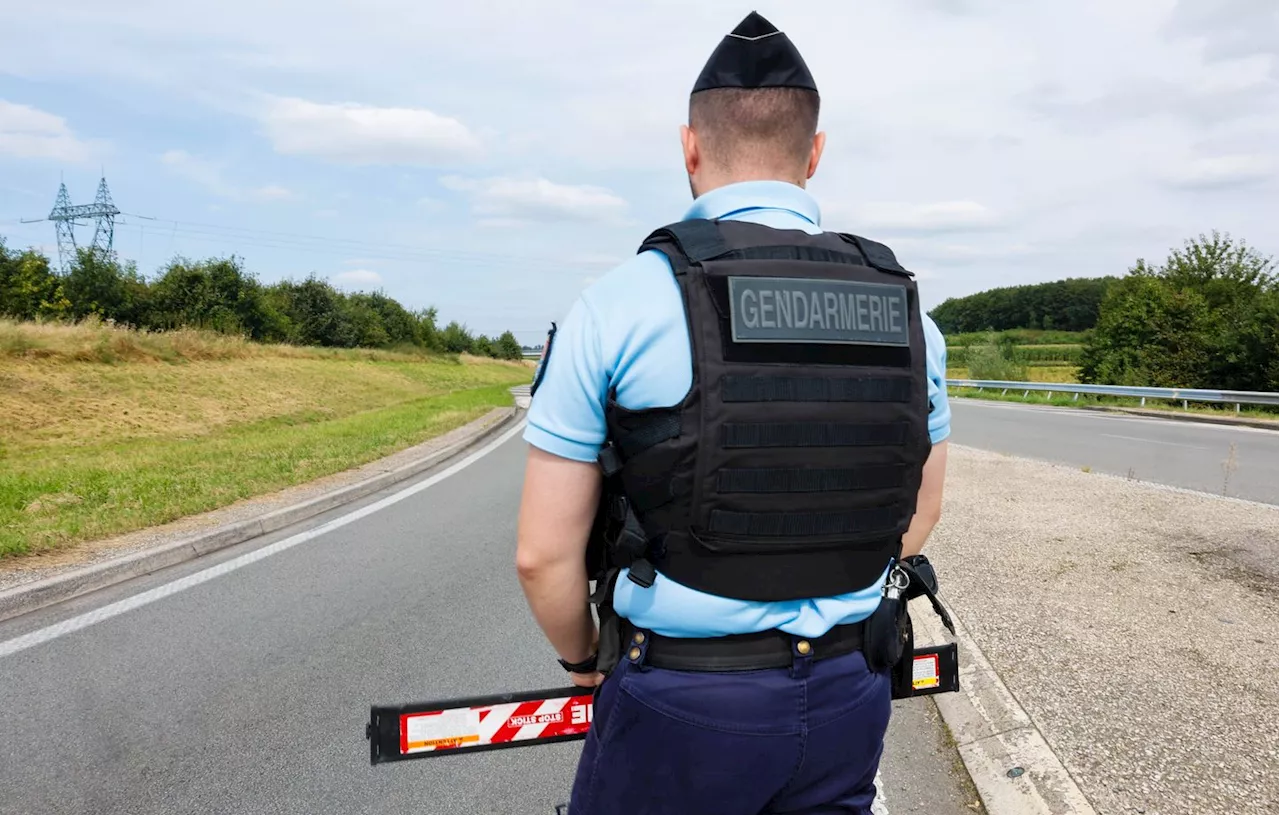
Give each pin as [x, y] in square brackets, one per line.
[471, 727]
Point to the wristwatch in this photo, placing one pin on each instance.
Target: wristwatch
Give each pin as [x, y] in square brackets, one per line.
[586, 666]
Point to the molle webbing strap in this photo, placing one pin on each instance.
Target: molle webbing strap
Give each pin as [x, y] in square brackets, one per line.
[658, 429]
[778, 388]
[797, 479]
[816, 254]
[811, 434]
[649, 494]
[802, 524]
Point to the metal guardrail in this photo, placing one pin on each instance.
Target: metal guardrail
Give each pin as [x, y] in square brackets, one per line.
[1184, 395]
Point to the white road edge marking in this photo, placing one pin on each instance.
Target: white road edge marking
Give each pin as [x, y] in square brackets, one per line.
[879, 806]
[119, 607]
[1153, 441]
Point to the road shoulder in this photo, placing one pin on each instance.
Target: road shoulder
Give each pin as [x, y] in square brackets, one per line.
[1097, 611]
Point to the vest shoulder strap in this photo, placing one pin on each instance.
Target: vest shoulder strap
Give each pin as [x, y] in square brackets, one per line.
[878, 256]
[699, 239]
[696, 239]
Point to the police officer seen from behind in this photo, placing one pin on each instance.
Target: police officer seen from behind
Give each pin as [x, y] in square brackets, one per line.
[751, 414]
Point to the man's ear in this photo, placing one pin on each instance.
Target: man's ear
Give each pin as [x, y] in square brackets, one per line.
[692, 154]
[815, 153]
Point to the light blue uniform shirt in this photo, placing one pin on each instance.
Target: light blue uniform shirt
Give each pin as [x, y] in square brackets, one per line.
[628, 330]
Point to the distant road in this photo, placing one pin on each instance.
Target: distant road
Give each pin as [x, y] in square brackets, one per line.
[1191, 455]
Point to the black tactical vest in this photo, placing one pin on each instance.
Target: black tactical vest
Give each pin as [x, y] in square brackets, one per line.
[790, 470]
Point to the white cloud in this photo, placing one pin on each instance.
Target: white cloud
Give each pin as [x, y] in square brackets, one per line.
[515, 199]
[357, 278]
[350, 133]
[210, 175]
[27, 132]
[203, 172]
[944, 216]
[272, 192]
[1223, 171]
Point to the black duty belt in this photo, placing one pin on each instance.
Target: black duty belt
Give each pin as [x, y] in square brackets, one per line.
[741, 652]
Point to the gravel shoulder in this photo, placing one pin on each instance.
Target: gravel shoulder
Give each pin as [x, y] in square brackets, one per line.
[1136, 625]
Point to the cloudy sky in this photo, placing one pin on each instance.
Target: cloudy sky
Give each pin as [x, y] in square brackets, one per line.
[493, 158]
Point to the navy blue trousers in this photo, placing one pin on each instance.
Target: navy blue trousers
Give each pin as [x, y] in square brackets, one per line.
[803, 740]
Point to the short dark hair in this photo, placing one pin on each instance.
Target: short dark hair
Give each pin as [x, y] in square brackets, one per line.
[761, 126]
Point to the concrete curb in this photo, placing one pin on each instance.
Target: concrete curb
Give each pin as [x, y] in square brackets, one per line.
[995, 736]
[38, 594]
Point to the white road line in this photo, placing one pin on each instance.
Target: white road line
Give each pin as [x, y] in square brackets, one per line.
[879, 806]
[119, 607]
[1153, 441]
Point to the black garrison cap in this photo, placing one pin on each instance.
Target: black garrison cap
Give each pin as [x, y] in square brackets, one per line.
[755, 55]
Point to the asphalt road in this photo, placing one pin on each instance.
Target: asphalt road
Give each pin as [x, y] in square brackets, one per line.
[1240, 462]
[248, 692]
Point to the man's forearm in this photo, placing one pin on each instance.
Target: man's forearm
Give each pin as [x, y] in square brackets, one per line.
[557, 595]
[556, 514]
[921, 525]
[928, 502]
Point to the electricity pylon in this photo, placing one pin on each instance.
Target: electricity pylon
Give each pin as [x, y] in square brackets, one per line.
[67, 216]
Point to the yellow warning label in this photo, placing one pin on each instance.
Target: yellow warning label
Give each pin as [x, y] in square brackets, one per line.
[457, 741]
[925, 673]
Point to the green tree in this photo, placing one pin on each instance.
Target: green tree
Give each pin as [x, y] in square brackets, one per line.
[508, 347]
[217, 294]
[97, 284]
[482, 346]
[28, 287]
[1205, 319]
[455, 338]
[426, 332]
[396, 324]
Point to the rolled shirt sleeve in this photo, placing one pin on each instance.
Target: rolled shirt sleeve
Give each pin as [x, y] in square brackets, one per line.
[566, 417]
[936, 363]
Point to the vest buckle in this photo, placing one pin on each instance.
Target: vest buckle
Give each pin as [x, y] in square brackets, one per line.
[642, 573]
[609, 459]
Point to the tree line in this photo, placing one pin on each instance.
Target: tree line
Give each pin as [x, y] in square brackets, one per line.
[219, 294]
[1063, 305]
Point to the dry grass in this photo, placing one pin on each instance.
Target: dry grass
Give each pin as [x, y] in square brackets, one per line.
[1035, 373]
[107, 430]
[93, 340]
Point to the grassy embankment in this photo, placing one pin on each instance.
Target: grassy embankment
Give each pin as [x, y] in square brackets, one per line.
[106, 431]
[1050, 356]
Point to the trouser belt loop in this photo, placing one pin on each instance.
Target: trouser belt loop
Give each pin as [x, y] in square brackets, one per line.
[637, 645]
[801, 657]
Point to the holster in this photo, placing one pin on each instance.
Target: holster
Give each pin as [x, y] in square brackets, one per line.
[889, 633]
[885, 628]
[609, 651]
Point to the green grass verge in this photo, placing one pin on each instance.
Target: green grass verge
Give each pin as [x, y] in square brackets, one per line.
[55, 495]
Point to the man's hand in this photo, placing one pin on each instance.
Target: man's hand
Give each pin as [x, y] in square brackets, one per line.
[587, 680]
[556, 512]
